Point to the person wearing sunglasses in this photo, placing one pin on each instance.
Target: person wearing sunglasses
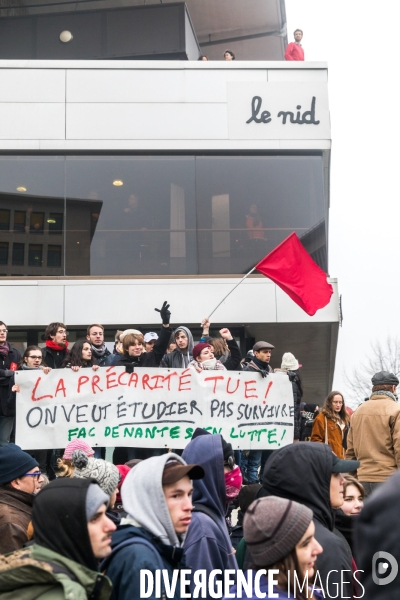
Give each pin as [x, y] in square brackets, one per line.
[9, 359]
[20, 479]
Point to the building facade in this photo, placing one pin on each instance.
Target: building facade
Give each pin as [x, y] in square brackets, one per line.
[127, 183]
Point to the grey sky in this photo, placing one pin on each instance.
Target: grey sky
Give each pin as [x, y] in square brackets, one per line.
[360, 44]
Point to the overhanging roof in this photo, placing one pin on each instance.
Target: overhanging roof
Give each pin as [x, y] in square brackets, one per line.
[253, 29]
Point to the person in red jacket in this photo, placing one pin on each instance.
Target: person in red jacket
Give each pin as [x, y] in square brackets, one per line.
[294, 50]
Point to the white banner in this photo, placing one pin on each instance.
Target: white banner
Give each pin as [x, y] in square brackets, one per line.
[152, 408]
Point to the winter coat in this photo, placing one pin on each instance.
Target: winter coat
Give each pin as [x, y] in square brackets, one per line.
[124, 568]
[374, 438]
[147, 359]
[7, 380]
[15, 515]
[345, 524]
[36, 573]
[297, 396]
[54, 358]
[302, 472]
[335, 434]
[100, 360]
[232, 362]
[278, 593]
[176, 359]
[207, 545]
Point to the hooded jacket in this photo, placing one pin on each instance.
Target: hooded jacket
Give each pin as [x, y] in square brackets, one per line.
[61, 537]
[148, 517]
[37, 573]
[302, 472]
[177, 359]
[207, 545]
[377, 530]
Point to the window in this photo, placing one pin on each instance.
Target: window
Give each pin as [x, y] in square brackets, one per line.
[37, 222]
[3, 253]
[55, 222]
[4, 220]
[35, 254]
[19, 221]
[54, 256]
[18, 254]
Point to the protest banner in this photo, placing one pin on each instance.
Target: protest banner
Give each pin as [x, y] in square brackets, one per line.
[152, 408]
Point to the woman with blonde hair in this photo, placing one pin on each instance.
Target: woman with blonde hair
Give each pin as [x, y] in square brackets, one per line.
[331, 425]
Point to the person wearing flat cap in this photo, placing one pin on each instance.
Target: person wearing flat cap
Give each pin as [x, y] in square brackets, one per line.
[20, 480]
[374, 436]
[157, 495]
[251, 459]
[279, 534]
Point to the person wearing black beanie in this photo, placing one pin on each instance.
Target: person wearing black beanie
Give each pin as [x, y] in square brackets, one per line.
[72, 533]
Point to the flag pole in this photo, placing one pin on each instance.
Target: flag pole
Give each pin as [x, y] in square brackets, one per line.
[232, 290]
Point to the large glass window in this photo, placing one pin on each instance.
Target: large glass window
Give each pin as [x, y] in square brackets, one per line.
[31, 195]
[247, 205]
[156, 215]
[131, 216]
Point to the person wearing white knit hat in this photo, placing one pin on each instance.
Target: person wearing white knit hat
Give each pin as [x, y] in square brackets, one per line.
[290, 365]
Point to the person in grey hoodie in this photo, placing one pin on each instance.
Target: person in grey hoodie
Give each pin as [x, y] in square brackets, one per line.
[182, 355]
[157, 495]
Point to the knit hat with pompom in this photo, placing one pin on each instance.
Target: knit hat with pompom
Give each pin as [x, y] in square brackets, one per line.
[105, 473]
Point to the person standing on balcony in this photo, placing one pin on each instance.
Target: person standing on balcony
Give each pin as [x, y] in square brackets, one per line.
[294, 50]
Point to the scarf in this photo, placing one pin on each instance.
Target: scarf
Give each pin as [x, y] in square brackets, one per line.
[260, 366]
[5, 349]
[384, 393]
[53, 346]
[233, 483]
[207, 365]
[25, 367]
[99, 352]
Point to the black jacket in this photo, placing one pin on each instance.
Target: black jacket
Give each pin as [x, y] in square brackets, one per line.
[258, 366]
[302, 472]
[377, 529]
[147, 359]
[7, 380]
[297, 396]
[232, 363]
[54, 358]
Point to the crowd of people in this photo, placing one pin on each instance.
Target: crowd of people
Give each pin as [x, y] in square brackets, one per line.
[160, 524]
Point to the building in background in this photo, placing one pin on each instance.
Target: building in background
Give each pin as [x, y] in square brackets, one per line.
[127, 182]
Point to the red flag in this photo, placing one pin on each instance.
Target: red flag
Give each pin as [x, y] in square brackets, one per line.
[292, 269]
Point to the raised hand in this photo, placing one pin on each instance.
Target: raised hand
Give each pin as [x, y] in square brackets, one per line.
[165, 313]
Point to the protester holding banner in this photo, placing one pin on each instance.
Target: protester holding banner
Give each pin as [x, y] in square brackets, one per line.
[290, 366]
[81, 356]
[157, 495]
[134, 345]
[56, 349]
[72, 534]
[204, 360]
[9, 359]
[95, 335]
[182, 355]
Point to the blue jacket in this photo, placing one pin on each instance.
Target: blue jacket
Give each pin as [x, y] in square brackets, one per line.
[124, 568]
[207, 545]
